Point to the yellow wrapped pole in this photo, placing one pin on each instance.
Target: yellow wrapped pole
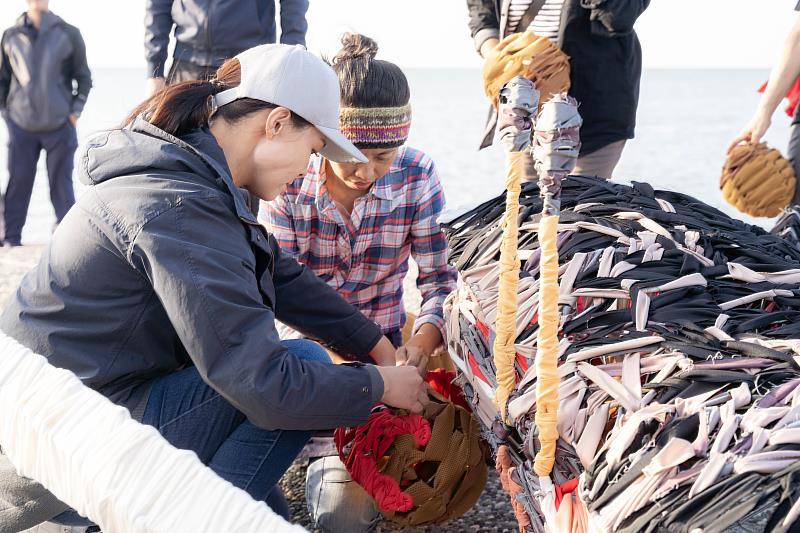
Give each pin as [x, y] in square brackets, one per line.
[556, 144]
[547, 347]
[506, 321]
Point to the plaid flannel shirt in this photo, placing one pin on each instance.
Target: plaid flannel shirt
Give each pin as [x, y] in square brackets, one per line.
[365, 258]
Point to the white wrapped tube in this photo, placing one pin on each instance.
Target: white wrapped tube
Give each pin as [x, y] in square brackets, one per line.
[121, 474]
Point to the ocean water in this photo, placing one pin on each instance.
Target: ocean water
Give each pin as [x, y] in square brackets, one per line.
[685, 120]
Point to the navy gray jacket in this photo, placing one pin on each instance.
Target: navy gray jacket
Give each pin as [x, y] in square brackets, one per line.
[604, 55]
[210, 31]
[160, 265]
[44, 76]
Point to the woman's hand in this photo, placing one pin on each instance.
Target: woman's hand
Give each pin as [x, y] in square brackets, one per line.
[411, 355]
[754, 130]
[419, 348]
[403, 388]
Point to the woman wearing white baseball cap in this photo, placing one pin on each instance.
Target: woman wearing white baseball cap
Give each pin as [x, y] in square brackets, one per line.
[160, 289]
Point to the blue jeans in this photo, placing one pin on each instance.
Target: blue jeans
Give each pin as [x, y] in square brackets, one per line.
[192, 416]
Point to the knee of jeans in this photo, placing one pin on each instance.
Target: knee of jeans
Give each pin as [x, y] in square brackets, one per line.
[335, 502]
[307, 350]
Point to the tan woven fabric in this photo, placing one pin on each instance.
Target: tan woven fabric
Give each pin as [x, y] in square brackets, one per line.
[503, 349]
[446, 476]
[757, 180]
[529, 55]
[547, 348]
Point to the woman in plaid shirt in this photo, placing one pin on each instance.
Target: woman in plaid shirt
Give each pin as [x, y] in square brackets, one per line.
[355, 226]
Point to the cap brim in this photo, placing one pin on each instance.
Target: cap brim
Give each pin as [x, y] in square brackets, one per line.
[338, 148]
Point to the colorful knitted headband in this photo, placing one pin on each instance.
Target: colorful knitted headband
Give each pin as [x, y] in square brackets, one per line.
[376, 127]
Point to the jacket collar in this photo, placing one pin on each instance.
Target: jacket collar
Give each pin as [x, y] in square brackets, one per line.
[49, 19]
[202, 143]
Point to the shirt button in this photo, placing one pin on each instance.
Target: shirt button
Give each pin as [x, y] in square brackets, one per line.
[365, 390]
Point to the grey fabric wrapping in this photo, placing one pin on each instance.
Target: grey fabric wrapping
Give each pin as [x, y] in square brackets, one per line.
[24, 503]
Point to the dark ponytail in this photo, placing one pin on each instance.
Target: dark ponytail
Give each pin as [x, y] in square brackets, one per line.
[365, 81]
[186, 106]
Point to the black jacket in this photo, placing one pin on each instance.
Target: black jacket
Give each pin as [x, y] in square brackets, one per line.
[605, 60]
[160, 265]
[210, 31]
[37, 71]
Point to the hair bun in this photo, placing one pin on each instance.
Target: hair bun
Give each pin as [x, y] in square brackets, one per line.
[354, 46]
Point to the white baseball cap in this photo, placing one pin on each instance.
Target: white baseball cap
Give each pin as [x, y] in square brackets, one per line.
[294, 78]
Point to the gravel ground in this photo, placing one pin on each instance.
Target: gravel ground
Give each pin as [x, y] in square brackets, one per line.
[14, 263]
[492, 513]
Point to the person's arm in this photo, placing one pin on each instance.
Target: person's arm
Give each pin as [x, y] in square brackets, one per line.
[5, 73]
[211, 296]
[293, 21]
[79, 68]
[483, 25]
[157, 27]
[780, 80]
[437, 278]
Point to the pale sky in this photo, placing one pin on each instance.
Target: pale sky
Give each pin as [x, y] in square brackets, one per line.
[434, 33]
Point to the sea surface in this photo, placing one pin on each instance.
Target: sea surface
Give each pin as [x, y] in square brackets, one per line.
[685, 120]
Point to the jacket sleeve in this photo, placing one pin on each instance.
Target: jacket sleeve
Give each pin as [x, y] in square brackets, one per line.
[157, 27]
[197, 257]
[614, 18]
[79, 68]
[307, 304]
[293, 21]
[483, 21]
[436, 277]
[5, 73]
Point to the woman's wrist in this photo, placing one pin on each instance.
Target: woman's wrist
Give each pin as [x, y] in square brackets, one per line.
[383, 352]
[427, 339]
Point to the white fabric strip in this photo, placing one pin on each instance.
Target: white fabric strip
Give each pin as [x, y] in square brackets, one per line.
[117, 472]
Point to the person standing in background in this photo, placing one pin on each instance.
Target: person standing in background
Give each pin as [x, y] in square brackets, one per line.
[605, 64]
[783, 76]
[207, 32]
[44, 83]
[210, 31]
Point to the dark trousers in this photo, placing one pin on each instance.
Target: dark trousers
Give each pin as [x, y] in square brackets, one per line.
[24, 148]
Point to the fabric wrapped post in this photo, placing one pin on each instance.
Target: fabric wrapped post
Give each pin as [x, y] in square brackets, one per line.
[678, 361]
[119, 473]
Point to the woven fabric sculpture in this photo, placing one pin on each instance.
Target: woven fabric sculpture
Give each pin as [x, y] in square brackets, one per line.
[419, 469]
[757, 180]
[678, 350]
